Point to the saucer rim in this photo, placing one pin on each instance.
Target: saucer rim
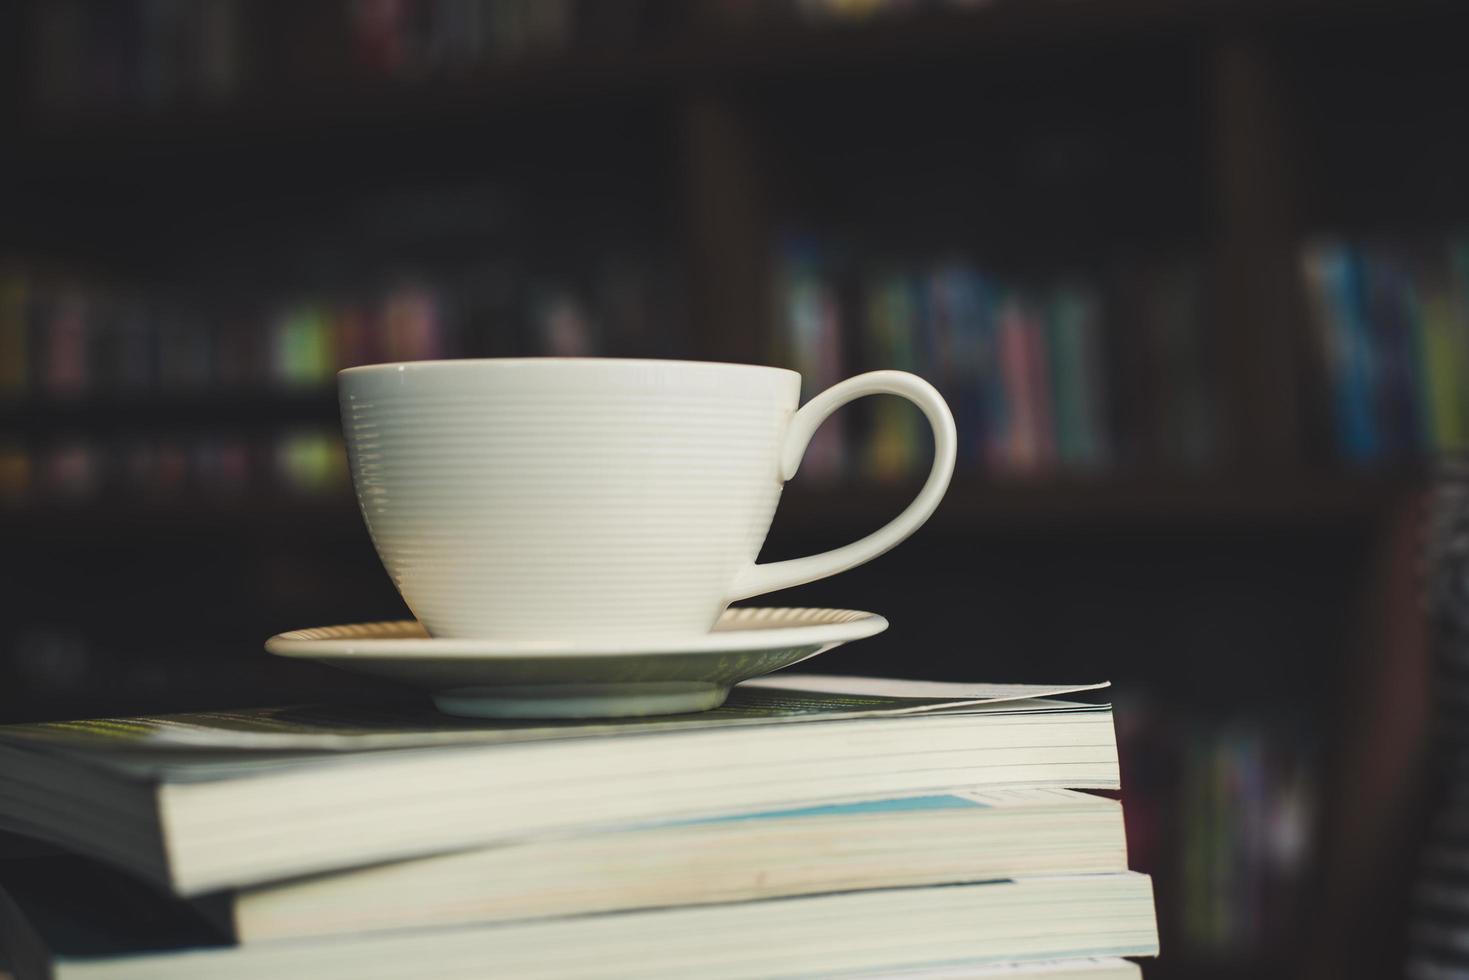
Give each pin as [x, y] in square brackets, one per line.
[864, 624]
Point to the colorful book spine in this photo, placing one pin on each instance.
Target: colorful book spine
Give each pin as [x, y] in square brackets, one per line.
[65, 340]
[961, 309]
[1457, 304]
[1443, 355]
[892, 327]
[1026, 442]
[1335, 276]
[302, 347]
[414, 320]
[61, 338]
[563, 328]
[415, 38]
[1392, 327]
[1040, 386]
[812, 344]
[1393, 318]
[149, 468]
[1223, 814]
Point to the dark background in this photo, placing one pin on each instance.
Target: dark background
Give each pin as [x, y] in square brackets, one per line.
[210, 207]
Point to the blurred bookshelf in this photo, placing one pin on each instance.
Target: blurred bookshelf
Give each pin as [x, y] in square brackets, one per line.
[1194, 277]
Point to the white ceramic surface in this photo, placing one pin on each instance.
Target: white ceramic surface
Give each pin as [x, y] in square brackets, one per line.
[565, 499]
[583, 679]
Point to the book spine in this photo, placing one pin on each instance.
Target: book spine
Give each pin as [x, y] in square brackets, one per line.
[1352, 359]
[1068, 326]
[1388, 322]
[810, 342]
[962, 338]
[1015, 449]
[1441, 366]
[1039, 387]
[891, 328]
[1459, 333]
[1095, 448]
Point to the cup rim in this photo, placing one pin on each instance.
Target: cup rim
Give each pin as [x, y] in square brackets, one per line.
[511, 362]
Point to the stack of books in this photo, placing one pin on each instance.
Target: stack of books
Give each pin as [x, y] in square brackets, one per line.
[812, 826]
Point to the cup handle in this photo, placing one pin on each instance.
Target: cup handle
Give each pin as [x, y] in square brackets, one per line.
[759, 579]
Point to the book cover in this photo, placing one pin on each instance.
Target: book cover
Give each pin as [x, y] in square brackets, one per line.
[67, 920]
[1334, 274]
[316, 785]
[892, 842]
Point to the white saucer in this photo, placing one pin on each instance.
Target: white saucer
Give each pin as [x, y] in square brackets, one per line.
[527, 679]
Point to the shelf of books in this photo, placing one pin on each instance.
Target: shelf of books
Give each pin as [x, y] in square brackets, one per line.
[123, 400]
[1030, 367]
[1094, 390]
[180, 57]
[1068, 379]
[116, 396]
[1224, 809]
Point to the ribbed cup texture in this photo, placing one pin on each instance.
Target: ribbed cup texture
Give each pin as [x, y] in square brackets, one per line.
[574, 499]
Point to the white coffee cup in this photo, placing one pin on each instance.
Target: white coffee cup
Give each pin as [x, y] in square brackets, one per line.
[555, 499]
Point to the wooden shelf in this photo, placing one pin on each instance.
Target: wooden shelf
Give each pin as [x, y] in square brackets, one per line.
[244, 410]
[716, 56]
[972, 506]
[187, 517]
